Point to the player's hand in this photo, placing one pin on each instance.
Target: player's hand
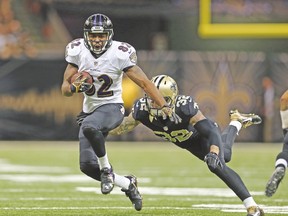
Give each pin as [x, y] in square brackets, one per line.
[213, 161]
[80, 84]
[168, 111]
[80, 117]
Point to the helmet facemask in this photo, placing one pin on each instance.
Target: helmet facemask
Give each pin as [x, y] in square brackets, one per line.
[98, 24]
[169, 90]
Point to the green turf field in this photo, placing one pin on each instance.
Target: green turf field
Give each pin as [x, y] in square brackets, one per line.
[43, 178]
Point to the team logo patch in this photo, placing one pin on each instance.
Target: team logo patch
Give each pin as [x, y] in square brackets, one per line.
[133, 57]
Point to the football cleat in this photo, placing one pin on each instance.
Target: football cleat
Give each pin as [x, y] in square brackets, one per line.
[107, 180]
[245, 119]
[255, 211]
[274, 181]
[133, 193]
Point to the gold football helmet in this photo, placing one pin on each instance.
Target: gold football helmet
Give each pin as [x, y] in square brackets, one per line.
[169, 90]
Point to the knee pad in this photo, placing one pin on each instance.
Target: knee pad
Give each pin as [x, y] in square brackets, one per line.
[227, 158]
[91, 170]
[88, 131]
[91, 133]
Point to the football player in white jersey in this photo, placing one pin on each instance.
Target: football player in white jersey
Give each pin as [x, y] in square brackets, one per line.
[106, 60]
[195, 133]
[282, 158]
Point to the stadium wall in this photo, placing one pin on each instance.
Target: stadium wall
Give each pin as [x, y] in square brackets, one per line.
[32, 107]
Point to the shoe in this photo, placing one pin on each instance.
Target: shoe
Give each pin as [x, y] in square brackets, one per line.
[245, 119]
[107, 180]
[133, 193]
[255, 211]
[274, 181]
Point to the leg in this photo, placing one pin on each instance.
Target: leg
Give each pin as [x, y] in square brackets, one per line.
[228, 137]
[95, 128]
[230, 133]
[235, 183]
[282, 157]
[88, 160]
[93, 158]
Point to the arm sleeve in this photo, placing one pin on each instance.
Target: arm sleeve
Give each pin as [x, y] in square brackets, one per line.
[209, 130]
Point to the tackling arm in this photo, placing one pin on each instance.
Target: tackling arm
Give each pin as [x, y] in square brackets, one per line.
[136, 74]
[127, 125]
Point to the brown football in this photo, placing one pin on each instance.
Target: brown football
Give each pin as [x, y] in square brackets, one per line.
[81, 75]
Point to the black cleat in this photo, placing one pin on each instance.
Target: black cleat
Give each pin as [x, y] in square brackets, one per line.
[133, 193]
[107, 180]
[274, 181]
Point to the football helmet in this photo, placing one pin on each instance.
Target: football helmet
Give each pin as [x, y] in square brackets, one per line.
[169, 90]
[98, 23]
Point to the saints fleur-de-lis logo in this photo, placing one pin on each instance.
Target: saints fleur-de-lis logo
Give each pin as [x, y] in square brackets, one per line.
[223, 94]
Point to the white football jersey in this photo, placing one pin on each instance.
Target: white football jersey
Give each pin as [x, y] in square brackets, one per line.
[107, 70]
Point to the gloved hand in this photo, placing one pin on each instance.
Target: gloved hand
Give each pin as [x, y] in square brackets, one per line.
[213, 161]
[168, 111]
[80, 117]
[80, 84]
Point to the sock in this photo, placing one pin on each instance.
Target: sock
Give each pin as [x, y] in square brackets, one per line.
[281, 162]
[248, 202]
[284, 118]
[236, 124]
[104, 162]
[121, 181]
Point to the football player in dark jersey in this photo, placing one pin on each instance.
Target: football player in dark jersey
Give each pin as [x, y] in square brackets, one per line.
[195, 133]
[282, 157]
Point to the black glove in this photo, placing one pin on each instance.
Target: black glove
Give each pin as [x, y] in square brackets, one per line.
[80, 85]
[168, 111]
[80, 117]
[213, 161]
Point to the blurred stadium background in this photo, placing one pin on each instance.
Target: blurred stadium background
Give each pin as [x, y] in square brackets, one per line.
[226, 53]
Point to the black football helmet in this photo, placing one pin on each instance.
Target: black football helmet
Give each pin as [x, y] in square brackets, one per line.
[98, 23]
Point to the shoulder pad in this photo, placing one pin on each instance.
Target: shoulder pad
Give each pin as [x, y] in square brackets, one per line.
[187, 105]
[74, 47]
[124, 50]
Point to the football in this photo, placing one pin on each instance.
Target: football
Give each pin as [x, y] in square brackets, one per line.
[82, 75]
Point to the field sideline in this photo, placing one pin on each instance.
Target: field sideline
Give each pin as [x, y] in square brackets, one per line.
[43, 178]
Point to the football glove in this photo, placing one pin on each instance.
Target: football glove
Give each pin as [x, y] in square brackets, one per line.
[80, 84]
[168, 111]
[80, 117]
[213, 161]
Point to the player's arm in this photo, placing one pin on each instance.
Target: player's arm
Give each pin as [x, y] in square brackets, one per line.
[69, 72]
[136, 74]
[207, 129]
[127, 125]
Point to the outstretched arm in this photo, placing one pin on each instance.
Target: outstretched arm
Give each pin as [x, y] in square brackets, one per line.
[127, 125]
[136, 74]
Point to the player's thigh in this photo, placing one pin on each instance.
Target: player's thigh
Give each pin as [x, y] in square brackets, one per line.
[105, 118]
